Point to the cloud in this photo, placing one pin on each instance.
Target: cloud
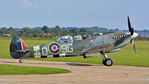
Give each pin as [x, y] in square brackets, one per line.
[28, 3]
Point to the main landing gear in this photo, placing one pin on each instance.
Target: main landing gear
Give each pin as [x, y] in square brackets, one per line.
[21, 61]
[106, 61]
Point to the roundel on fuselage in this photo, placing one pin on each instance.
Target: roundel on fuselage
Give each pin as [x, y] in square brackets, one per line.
[54, 48]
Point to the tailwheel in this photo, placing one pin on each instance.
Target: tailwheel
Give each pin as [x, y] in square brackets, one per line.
[21, 61]
[107, 62]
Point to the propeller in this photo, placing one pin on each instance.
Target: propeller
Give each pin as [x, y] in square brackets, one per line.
[133, 35]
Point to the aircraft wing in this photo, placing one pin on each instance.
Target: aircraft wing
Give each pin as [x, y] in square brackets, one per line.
[105, 48]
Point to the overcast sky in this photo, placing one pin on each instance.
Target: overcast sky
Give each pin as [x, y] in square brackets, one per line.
[75, 13]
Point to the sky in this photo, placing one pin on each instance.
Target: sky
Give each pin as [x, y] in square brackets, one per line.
[74, 13]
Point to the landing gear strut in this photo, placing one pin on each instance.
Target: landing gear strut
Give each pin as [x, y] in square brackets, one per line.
[106, 61]
[21, 61]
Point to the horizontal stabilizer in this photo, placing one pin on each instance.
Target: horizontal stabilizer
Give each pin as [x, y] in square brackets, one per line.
[23, 51]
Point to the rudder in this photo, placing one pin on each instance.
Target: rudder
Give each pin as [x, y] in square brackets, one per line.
[18, 48]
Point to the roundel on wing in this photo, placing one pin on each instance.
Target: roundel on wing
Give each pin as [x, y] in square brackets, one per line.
[54, 48]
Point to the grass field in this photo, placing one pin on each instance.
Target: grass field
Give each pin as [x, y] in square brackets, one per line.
[26, 70]
[125, 56]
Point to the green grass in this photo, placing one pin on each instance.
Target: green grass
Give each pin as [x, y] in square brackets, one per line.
[26, 70]
[125, 56]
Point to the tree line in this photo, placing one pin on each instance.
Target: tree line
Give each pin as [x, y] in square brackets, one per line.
[44, 31]
[47, 32]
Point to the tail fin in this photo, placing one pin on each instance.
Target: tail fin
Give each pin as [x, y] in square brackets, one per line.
[17, 47]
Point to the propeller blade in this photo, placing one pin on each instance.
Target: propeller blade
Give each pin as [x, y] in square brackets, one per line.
[133, 43]
[131, 30]
[129, 24]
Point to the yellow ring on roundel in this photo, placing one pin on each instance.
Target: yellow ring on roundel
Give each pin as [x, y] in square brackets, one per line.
[59, 48]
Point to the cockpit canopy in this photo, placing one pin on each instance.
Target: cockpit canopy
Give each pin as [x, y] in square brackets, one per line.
[65, 39]
[77, 37]
[70, 39]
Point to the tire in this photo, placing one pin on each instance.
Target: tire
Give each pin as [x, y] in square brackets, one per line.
[56, 55]
[103, 61]
[108, 62]
[20, 61]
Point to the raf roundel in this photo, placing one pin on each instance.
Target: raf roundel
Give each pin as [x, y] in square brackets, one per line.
[54, 48]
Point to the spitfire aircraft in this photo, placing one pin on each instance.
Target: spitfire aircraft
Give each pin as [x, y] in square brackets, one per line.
[75, 46]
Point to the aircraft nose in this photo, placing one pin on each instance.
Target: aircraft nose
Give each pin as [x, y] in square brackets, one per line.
[135, 35]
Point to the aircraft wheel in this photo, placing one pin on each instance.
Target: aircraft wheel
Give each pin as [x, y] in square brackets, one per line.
[107, 62]
[20, 61]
